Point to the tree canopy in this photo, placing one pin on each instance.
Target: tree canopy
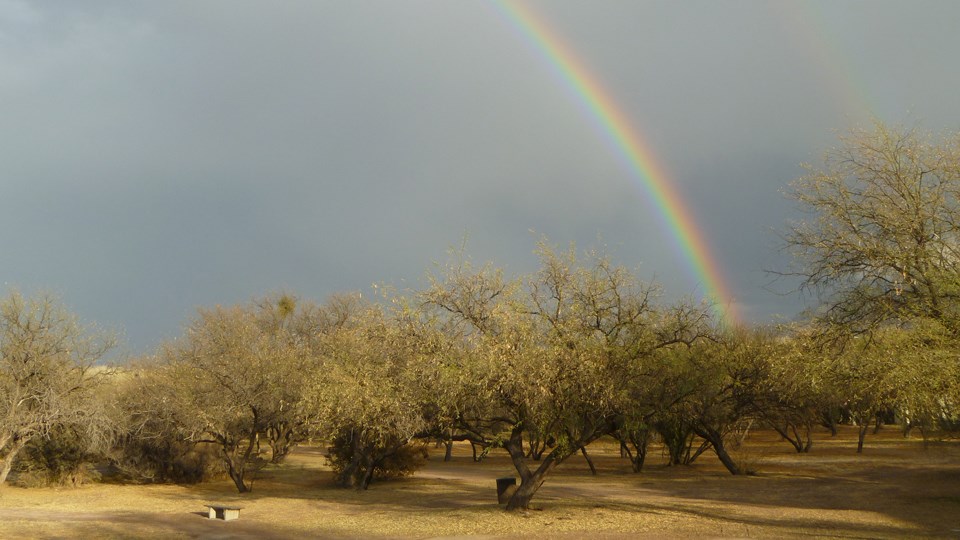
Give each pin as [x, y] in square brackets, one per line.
[882, 244]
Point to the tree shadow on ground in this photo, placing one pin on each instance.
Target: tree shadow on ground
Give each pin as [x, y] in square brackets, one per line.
[152, 525]
[914, 488]
[832, 493]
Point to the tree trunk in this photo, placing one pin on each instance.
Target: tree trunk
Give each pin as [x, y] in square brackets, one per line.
[586, 456]
[742, 435]
[715, 438]
[677, 436]
[237, 478]
[862, 435]
[281, 442]
[636, 462]
[370, 462]
[689, 457]
[448, 455]
[7, 463]
[236, 474]
[347, 476]
[241, 469]
[782, 431]
[829, 421]
[532, 447]
[538, 447]
[639, 439]
[528, 488]
[530, 481]
[725, 458]
[801, 442]
[809, 443]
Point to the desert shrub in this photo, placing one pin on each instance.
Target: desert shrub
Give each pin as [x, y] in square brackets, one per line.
[65, 457]
[356, 459]
[403, 462]
[165, 460]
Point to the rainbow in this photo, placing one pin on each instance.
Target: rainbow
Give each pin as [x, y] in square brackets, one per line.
[817, 39]
[632, 150]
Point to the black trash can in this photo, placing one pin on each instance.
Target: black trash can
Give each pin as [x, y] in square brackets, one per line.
[505, 488]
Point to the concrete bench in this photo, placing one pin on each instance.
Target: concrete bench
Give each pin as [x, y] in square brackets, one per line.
[224, 512]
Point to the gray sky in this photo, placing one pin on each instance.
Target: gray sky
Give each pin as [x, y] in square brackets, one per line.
[160, 156]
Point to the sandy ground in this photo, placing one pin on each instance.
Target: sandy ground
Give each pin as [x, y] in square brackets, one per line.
[899, 488]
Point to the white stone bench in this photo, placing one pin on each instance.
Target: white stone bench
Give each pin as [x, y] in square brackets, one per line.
[224, 511]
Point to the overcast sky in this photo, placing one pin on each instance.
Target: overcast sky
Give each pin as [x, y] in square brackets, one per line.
[160, 156]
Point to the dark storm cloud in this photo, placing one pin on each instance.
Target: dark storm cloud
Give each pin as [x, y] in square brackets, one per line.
[160, 156]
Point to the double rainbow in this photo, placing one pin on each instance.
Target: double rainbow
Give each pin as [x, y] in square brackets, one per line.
[632, 150]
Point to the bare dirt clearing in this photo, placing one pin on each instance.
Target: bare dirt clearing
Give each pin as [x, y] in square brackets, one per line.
[897, 488]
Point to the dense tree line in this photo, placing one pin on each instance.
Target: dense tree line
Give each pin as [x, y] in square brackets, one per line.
[539, 366]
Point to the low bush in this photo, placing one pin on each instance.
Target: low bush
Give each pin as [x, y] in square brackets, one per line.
[159, 460]
[356, 461]
[64, 457]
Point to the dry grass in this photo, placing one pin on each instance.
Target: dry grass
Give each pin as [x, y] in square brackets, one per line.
[898, 488]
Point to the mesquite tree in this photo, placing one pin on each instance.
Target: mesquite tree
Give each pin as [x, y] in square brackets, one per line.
[367, 397]
[235, 379]
[912, 372]
[882, 248]
[725, 381]
[46, 375]
[550, 357]
[882, 244]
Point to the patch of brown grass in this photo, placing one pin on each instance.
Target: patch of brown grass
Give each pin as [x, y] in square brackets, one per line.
[897, 488]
